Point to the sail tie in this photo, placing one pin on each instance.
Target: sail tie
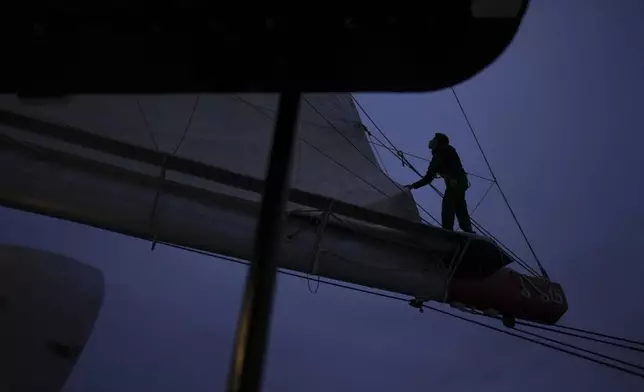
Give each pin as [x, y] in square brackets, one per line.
[459, 254]
[151, 224]
[316, 246]
[401, 156]
[152, 221]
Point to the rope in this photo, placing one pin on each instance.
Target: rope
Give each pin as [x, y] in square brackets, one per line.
[185, 131]
[516, 220]
[373, 122]
[379, 143]
[316, 249]
[560, 330]
[625, 370]
[583, 350]
[554, 330]
[147, 125]
[389, 296]
[598, 334]
[482, 198]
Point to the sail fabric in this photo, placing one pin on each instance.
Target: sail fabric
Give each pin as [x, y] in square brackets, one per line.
[332, 156]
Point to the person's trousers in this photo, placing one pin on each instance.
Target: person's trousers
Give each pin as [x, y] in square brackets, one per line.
[455, 205]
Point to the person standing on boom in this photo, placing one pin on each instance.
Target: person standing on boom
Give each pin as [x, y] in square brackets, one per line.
[446, 163]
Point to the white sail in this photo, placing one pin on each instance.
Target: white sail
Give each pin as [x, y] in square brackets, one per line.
[234, 132]
[105, 171]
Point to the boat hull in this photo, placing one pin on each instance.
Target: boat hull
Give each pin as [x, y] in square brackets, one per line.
[512, 295]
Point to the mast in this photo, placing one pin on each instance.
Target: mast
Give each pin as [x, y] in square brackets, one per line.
[254, 322]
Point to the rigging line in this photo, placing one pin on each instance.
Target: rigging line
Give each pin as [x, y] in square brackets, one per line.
[474, 222]
[390, 296]
[162, 174]
[361, 153]
[524, 265]
[583, 349]
[334, 160]
[379, 143]
[155, 201]
[384, 135]
[323, 153]
[185, 131]
[373, 122]
[347, 139]
[597, 361]
[261, 109]
[382, 163]
[149, 129]
[600, 334]
[514, 256]
[147, 125]
[516, 220]
[555, 330]
[482, 198]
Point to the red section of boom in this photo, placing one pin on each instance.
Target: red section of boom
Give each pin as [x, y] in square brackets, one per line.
[513, 295]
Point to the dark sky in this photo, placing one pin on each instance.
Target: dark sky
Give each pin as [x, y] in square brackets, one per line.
[559, 116]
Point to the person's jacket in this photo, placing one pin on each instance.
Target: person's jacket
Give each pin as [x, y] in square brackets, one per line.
[446, 163]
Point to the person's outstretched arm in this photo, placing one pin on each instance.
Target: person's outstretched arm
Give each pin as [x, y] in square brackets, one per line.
[427, 179]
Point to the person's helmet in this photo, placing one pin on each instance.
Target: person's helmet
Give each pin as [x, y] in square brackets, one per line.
[440, 139]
